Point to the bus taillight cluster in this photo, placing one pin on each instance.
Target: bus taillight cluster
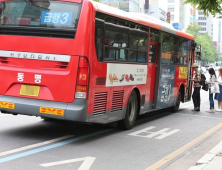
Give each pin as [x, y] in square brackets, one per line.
[82, 78]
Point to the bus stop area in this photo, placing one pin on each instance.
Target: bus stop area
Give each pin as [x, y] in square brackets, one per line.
[211, 160]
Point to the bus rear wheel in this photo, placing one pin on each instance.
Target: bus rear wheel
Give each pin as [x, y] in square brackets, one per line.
[131, 112]
[176, 107]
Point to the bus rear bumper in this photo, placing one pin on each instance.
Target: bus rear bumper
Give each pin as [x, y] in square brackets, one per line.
[76, 111]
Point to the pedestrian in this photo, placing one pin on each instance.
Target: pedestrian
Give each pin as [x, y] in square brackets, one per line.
[218, 96]
[196, 92]
[210, 82]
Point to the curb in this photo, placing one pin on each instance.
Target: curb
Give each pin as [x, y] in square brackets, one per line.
[207, 158]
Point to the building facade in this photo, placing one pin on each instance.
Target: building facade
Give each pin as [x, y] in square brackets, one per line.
[205, 23]
[217, 46]
[216, 31]
[180, 14]
[157, 9]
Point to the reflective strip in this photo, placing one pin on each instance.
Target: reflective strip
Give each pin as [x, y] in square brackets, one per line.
[35, 56]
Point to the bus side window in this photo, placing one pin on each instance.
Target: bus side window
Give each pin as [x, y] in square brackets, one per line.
[133, 56]
[99, 38]
[142, 56]
[118, 40]
[139, 43]
[152, 54]
[184, 51]
[110, 53]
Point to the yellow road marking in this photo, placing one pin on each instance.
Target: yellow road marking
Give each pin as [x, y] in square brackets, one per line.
[183, 149]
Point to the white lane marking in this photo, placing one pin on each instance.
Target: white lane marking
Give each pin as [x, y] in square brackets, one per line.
[148, 134]
[87, 162]
[35, 145]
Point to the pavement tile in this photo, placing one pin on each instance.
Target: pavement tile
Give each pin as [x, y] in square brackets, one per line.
[215, 164]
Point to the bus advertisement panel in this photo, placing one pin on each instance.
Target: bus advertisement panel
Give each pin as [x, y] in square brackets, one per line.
[166, 87]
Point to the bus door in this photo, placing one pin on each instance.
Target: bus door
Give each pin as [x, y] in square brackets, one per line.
[152, 66]
[189, 74]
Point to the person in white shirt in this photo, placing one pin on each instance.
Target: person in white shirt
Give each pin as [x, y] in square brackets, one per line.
[218, 96]
[210, 83]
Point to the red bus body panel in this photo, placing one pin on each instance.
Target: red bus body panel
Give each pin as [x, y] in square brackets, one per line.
[59, 83]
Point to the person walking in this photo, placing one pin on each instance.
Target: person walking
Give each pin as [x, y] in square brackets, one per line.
[196, 92]
[218, 96]
[210, 82]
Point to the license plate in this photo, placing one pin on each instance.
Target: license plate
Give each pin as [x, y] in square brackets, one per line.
[29, 90]
[51, 111]
[7, 105]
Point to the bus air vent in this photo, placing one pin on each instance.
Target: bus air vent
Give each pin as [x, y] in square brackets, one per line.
[64, 65]
[3, 60]
[117, 100]
[101, 81]
[100, 103]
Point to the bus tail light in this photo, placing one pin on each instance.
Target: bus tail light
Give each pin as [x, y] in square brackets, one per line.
[82, 78]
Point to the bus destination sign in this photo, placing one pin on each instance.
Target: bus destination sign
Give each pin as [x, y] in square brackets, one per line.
[56, 18]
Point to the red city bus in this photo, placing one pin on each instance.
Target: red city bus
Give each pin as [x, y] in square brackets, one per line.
[83, 61]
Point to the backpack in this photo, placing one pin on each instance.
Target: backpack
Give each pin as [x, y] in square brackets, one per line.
[202, 80]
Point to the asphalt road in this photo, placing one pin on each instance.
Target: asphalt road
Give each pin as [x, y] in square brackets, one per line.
[164, 140]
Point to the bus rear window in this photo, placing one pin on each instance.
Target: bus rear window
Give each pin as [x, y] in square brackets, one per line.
[39, 13]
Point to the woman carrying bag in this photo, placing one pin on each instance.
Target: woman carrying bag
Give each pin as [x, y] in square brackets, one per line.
[211, 83]
[218, 96]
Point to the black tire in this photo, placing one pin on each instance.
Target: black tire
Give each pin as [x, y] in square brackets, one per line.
[176, 107]
[131, 112]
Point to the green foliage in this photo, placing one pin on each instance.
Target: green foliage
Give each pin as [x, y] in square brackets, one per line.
[194, 29]
[97, 1]
[208, 6]
[208, 51]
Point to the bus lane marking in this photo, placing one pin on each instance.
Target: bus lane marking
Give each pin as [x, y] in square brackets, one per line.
[184, 148]
[87, 162]
[20, 155]
[146, 133]
[35, 145]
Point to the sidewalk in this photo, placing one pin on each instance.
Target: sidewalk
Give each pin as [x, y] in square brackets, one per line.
[211, 161]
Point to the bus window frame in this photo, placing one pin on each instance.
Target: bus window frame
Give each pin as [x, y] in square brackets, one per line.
[173, 64]
[127, 61]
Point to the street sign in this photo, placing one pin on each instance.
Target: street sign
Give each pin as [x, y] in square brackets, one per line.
[168, 17]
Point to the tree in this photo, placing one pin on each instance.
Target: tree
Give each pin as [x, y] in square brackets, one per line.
[194, 29]
[208, 6]
[208, 51]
